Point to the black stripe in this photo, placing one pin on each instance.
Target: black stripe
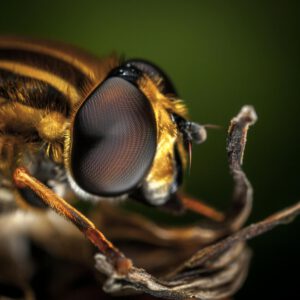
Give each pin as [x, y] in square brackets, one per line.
[32, 92]
[30, 136]
[46, 62]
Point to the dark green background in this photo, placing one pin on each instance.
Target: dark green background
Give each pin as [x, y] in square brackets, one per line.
[220, 55]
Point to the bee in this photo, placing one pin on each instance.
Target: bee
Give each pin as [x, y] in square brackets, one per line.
[77, 127]
[95, 129]
[116, 129]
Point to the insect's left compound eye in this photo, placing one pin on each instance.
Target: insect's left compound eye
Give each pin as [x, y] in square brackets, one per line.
[114, 139]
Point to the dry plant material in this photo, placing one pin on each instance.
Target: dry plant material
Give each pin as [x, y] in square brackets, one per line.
[219, 267]
[205, 261]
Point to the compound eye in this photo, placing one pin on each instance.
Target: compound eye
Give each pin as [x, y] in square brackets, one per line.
[153, 72]
[114, 139]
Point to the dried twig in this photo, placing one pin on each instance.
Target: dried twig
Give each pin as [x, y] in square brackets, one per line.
[217, 270]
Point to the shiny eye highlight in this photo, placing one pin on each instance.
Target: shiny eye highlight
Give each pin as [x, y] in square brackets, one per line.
[114, 139]
[153, 71]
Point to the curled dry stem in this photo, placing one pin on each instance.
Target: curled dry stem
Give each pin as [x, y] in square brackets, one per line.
[220, 265]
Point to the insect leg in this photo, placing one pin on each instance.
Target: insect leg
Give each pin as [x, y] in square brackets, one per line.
[23, 179]
[201, 208]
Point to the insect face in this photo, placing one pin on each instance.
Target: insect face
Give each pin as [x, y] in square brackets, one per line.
[71, 122]
[114, 139]
[124, 136]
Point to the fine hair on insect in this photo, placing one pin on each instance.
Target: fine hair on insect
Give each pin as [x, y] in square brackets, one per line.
[79, 136]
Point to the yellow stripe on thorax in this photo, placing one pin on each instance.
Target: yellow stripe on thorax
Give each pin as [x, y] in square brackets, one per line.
[40, 48]
[57, 82]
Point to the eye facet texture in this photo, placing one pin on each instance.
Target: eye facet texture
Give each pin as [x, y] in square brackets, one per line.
[114, 139]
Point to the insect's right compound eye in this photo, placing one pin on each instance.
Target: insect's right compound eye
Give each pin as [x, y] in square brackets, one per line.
[114, 139]
[153, 71]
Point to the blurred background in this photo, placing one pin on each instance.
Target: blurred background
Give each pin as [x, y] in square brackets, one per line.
[220, 56]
